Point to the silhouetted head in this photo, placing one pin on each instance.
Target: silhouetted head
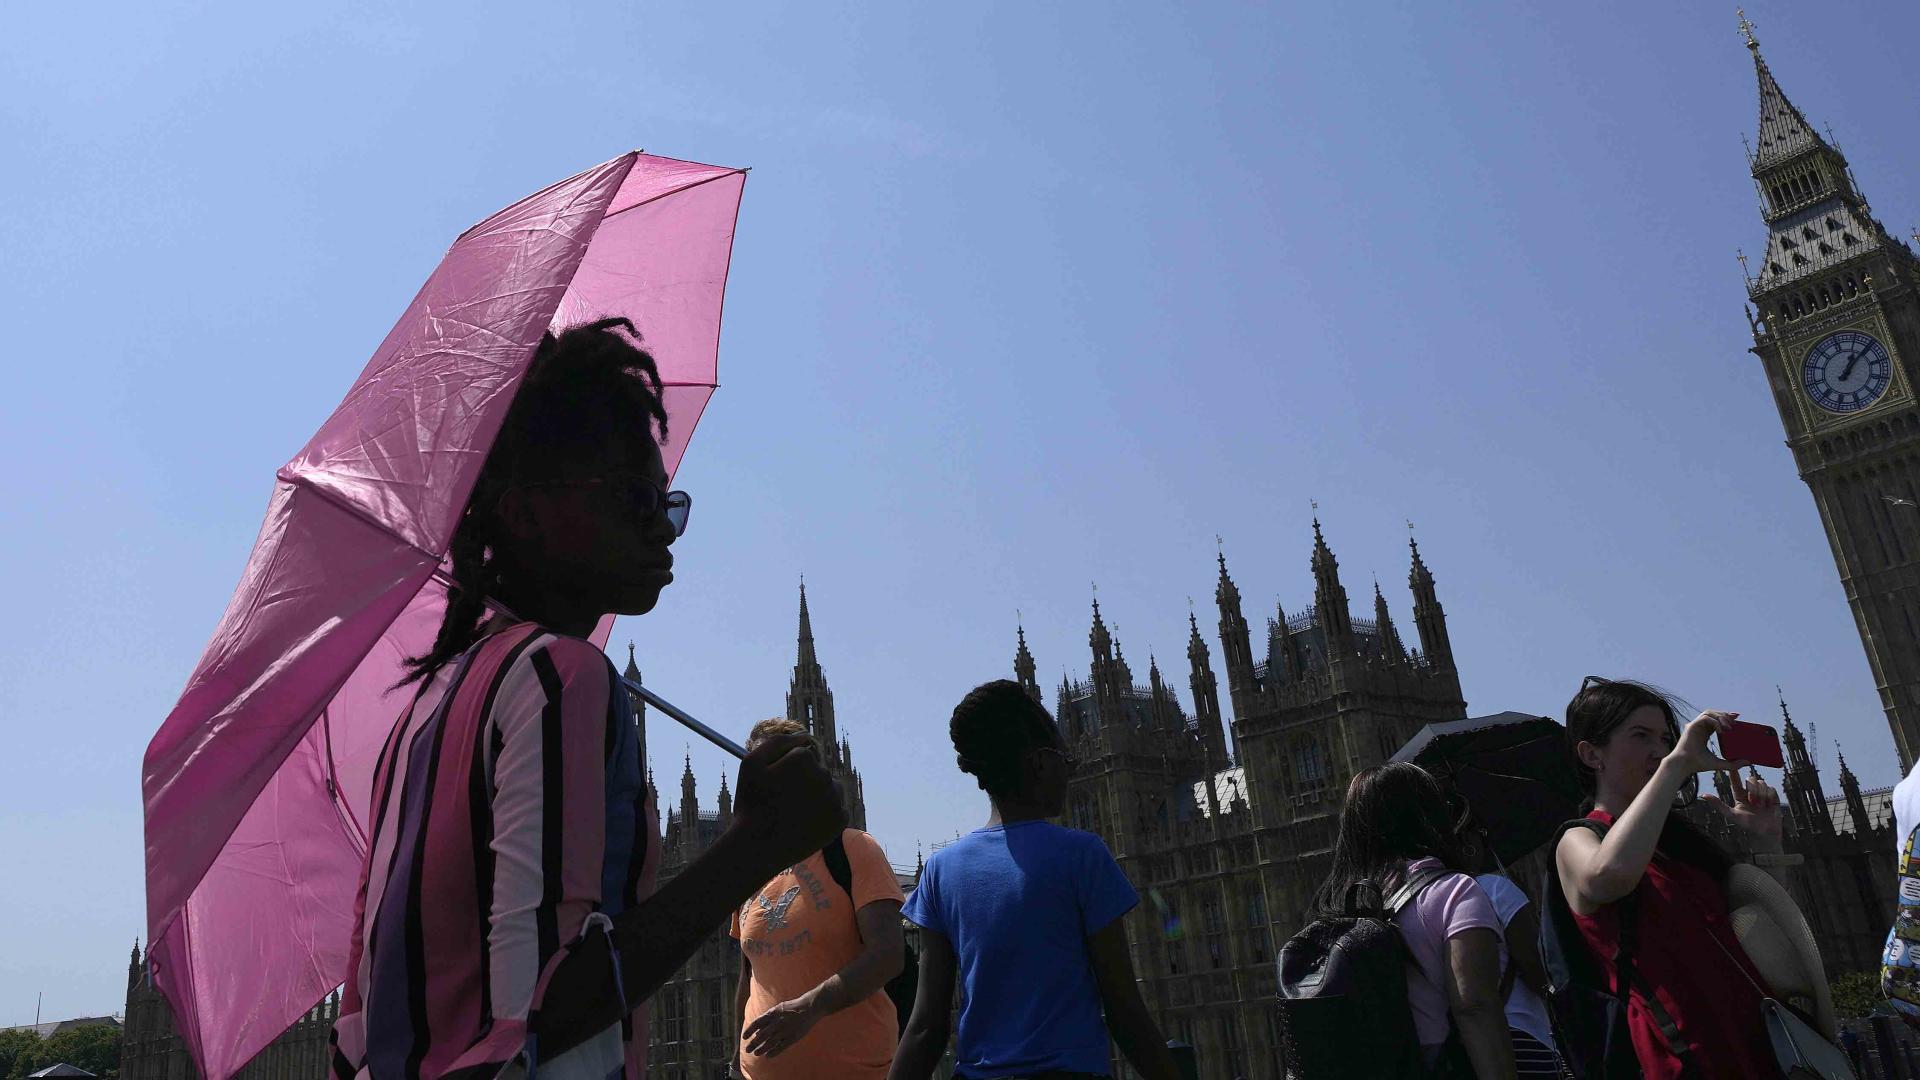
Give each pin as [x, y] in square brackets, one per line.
[570, 513]
[1009, 744]
[1395, 813]
[773, 727]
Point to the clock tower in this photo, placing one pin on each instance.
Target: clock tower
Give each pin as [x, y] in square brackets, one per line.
[1838, 335]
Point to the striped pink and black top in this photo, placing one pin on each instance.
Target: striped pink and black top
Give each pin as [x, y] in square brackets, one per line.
[509, 807]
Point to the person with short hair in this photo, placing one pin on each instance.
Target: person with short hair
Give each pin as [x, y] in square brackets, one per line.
[815, 958]
[1028, 916]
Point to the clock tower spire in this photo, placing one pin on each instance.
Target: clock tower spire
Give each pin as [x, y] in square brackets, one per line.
[1838, 339]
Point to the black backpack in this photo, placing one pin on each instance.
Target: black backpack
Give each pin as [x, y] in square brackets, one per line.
[902, 987]
[1589, 1016]
[1343, 991]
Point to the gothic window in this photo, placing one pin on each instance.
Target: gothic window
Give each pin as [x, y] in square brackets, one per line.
[1824, 299]
[1849, 239]
[1799, 259]
[1807, 233]
[1832, 225]
[1784, 313]
[715, 1025]
[1309, 764]
[1826, 248]
[1853, 287]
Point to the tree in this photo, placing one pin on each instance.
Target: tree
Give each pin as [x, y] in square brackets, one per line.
[16, 1044]
[1856, 994]
[93, 1047]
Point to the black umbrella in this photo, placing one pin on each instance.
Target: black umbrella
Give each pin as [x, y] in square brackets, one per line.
[1513, 770]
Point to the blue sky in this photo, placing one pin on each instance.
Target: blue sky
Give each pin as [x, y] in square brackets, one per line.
[1024, 297]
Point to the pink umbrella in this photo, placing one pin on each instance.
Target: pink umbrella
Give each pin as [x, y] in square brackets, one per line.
[258, 784]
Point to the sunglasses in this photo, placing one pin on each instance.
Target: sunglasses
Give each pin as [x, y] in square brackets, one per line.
[641, 492]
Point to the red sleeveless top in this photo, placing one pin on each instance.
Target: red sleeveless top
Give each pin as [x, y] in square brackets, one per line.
[1687, 953]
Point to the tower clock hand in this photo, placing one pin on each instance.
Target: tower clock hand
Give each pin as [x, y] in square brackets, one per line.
[1848, 370]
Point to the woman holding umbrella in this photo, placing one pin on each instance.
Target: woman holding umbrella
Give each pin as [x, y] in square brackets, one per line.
[506, 917]
[1695, 1005]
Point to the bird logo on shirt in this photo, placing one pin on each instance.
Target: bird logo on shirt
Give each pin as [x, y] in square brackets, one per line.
[776, 910]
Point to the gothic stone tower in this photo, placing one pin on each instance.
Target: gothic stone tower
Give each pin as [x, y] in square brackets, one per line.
[810, 704]
[1226, 844]
[1838, 335]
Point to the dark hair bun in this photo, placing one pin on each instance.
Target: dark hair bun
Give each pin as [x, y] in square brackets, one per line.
[992, 727]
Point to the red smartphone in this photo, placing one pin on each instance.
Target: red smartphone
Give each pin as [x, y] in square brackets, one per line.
[1757, 744]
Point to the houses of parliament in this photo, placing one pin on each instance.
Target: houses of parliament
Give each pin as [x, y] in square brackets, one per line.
[1227, 841]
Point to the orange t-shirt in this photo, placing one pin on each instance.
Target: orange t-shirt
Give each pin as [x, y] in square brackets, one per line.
[798, 930]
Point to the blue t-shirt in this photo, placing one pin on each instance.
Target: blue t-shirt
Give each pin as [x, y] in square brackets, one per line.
[1018, 902]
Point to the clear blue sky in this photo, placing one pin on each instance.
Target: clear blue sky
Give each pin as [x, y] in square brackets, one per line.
[1024, 297]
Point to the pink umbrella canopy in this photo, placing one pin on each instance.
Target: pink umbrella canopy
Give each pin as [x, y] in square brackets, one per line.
[258, 785]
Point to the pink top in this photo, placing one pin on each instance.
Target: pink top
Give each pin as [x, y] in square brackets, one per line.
[1450, 906]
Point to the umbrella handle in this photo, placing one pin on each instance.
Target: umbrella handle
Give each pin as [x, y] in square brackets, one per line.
[688, 722]
[646, 695]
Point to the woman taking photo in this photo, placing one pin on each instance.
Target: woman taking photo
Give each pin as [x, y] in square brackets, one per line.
[1695, 1004]
[1397, 823]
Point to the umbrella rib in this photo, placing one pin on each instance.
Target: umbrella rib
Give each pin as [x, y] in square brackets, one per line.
[355, 509]
[667, 194]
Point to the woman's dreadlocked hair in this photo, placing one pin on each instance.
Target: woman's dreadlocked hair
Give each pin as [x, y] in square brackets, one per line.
[992, 727]
[584, 389]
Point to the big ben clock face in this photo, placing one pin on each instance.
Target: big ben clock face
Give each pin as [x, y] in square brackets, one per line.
[1846, 372]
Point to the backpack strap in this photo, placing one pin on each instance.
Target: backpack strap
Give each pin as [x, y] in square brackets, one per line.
[1627, 978]
[1411, 888]
[835, 853]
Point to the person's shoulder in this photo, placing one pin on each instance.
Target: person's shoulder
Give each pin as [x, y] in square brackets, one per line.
[1071, 837]
[569, 652]
[861, 844]
[1496, 886]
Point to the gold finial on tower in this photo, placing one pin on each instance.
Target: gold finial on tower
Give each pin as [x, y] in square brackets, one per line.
[1747, 28]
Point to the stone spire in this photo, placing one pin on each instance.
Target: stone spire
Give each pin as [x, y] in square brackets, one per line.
[1856, 805]
[726, 803]
[136, 972]
[1428, 616]
[1816, 217]
[1236, 647]
[689, 803]
[1206, 697]
[1391, 648]
[632, 674]
[1099, 638]
[1805, 801]
[1023, 666]
[1158, 693]
[1109, 682]
[1330, 599]
[806, 654]
[809, 699]
[1783, 132]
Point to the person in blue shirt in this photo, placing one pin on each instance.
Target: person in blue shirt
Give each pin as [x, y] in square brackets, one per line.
[1028, 916]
